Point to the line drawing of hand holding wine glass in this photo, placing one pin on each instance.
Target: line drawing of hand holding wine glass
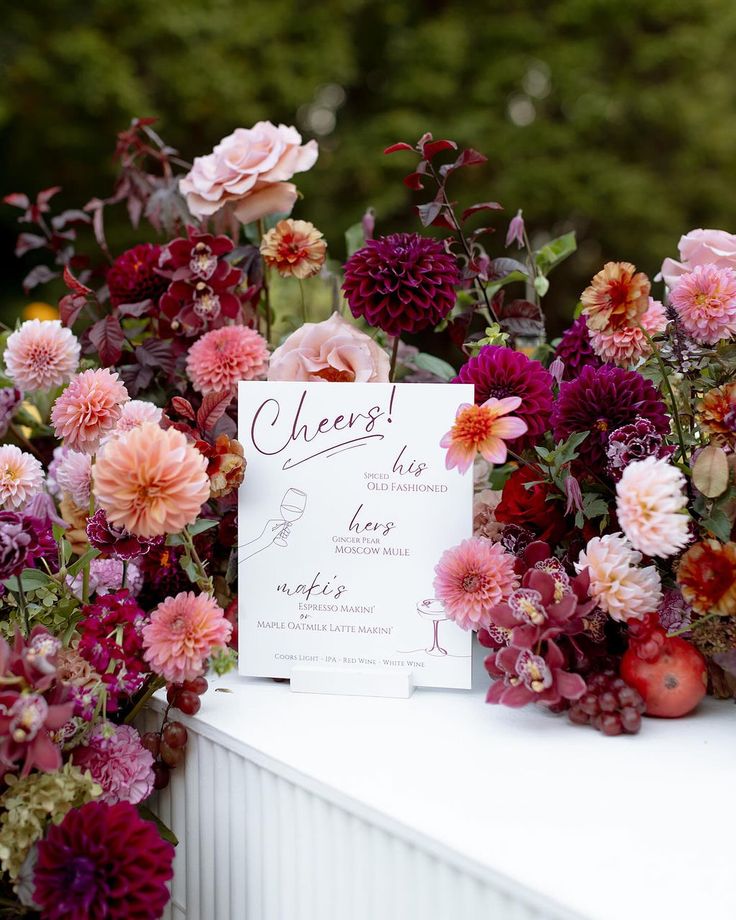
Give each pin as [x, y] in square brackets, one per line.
[276, 531]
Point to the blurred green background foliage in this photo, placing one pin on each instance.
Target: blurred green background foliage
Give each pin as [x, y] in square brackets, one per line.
[614, 118]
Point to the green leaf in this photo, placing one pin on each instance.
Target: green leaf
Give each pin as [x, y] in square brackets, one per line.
[354, 238]
[30, 580]
[502, 282]
[76, 567]
[174, 539]
[719, 524]
[554, 252]
[541, 285]
[435, 366]
[164, 830]
[204, 524]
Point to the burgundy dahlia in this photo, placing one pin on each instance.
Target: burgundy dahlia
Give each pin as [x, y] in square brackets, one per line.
[133, 276]
[23, 541]
[401, 283]
[599, 401]
[633, 442]
[115, 541]
[575, 350]
[499, 372]
[103, 862]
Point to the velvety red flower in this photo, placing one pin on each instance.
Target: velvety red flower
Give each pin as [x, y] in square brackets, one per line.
[599, 401]
[500, 372]
[133, 276]
[530, 508]
[103, 862]
[116, 542]
[401, 283]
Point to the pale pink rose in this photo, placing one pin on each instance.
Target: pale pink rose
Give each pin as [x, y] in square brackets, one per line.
[333, 350]
[700, 247]
[249, 169]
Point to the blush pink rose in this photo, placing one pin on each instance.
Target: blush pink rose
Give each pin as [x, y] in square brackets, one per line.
[700, 247]
[333, 350]
[249, 169]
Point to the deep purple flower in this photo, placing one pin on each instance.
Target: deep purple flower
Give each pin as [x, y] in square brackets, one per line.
[599, 401]
[674, 611]
[633, 442]
[201, 292]
[23, 541]
[575, 349]
[500, 372]
[401, 283]
[111, 641]
[133, 277]
[103, 861]
[10, 399]
[115, 541]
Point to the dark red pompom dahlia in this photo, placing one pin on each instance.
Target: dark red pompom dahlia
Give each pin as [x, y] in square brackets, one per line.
[133, 278]
[499, 372]
[103, 862]
[402, 283]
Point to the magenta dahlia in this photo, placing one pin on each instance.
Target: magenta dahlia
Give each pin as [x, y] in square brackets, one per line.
[133, 278]
[601, 400]
[401, 283]
[575, 350]
[103, 862]
[500, 372]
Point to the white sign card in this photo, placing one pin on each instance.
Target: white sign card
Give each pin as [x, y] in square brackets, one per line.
[345, 510]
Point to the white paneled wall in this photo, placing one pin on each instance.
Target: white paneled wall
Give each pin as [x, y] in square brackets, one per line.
[257, 844]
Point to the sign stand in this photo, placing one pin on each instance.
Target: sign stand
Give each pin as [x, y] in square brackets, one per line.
[398, 684]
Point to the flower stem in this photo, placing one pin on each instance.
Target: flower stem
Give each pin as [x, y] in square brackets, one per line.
[266, 289]
[394, 356]
[670, 392]
[25, 441]
[125, 575]
[305, 318]
[203, 579]
[156, 684]
[691, 627]
[23, 607]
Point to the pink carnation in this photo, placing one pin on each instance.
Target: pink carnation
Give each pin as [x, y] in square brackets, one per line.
[221, 358]
[21, 477]
[473, 577]
[183, 632]
[88, 409]
[626, 345]
[74, 476]
[117, 761]
[705, 301]
[41, 355]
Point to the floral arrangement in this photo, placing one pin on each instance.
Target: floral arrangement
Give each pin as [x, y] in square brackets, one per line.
[602, 571]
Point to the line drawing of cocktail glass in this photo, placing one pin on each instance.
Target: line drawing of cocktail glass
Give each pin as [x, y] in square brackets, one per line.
[434, 610]
[292, 508]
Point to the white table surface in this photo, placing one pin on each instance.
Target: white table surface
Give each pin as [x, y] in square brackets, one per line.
[624, 828]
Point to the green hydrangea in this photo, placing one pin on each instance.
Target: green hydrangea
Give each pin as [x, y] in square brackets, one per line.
[29, 804]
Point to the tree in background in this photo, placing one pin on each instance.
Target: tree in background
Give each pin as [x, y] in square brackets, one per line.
[611, 117]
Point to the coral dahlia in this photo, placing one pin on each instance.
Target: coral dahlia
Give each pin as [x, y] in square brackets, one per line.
[88, 409]
[705, 302]
[617, 296]
[221, 358]
[627, 345]
[41, 355]
[295, 248]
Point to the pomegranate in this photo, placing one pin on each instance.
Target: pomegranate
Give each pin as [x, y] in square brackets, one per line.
[668, 672]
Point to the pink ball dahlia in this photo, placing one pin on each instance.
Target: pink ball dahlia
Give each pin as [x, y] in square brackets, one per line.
[103, 861]
[705, 301]
[117, 760]
[74, 476]
[183, 632]
[221, 358]
[575, 350]
[151, 481]
[133, 278]
[599, 401]
[88, 409]
[21, 477]
[401, 283]
[499, 372]
[134, 413]
[41, 355]
[651, 507]
[473, 577]
[626, 345]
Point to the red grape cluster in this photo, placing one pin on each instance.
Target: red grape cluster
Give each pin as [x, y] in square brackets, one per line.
[609, 704]
[169, 743]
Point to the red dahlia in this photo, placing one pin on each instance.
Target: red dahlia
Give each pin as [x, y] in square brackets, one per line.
[133, 277]
[401, 283]
[103, 861]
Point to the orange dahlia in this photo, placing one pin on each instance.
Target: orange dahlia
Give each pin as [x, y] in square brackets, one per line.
[617, 296]
[717, 415]
[707, 577]
[295, 248]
